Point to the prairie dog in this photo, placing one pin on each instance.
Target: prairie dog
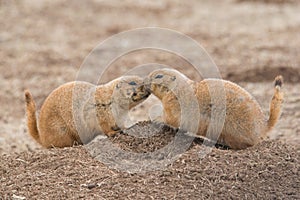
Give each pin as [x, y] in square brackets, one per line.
[245, 124]
[76, 112]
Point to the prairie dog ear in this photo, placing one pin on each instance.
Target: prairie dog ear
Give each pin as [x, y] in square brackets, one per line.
[118, 86]
[173, 78]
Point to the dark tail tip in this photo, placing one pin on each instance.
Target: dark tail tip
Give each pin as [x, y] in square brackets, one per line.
[278, 81]
[28, 96]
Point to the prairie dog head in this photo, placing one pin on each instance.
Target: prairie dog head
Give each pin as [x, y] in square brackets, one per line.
[162, 81]
[129, 91]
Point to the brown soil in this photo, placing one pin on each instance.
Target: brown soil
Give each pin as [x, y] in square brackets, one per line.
[145, 137]
[43, 44]
[269, 170]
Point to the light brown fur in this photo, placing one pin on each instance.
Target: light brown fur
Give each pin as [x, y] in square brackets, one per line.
[76, 112]
[245, 124]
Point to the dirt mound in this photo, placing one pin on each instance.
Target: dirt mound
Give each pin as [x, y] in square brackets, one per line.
[144, 137]
[268, 170]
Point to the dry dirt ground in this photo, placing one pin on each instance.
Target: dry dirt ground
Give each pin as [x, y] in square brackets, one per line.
[43, 44]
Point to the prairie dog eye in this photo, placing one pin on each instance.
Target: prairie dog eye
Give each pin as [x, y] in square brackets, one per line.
[132, 83]
[159, 76]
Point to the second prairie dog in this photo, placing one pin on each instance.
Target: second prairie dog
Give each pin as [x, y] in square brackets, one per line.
[78, 111]
[245, 124]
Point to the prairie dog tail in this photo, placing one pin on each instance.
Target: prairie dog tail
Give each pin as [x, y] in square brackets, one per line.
[276, 102]
[31, 116]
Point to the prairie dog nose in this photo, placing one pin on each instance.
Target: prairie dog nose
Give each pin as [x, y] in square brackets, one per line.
[147, 83]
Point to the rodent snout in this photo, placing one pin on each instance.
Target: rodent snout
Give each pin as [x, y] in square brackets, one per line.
[140, 93]
[147, 84]
[146, 92]
[147, 88]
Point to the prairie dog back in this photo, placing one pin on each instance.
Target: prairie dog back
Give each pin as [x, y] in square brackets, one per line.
[245, 124]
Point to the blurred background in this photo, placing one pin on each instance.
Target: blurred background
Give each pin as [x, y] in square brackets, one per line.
[43, 44]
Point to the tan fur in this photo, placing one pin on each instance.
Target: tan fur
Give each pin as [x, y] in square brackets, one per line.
[76, 112]
[245, 124]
